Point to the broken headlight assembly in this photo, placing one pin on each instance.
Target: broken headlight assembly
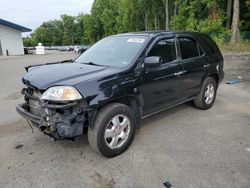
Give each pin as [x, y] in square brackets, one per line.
[61, 93]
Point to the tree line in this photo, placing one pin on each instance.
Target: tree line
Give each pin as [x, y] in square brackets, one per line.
[224, 20]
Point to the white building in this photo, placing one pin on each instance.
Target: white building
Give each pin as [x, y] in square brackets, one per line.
[11, 42]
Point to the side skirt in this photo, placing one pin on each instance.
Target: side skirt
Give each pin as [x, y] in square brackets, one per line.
[163, 109]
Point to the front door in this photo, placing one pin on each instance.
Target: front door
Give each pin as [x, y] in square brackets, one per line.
[162, 85]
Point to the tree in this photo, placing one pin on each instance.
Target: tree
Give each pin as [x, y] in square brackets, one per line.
[175, 7]
[88, 37]
[130, 16]
[69, 27]
[158, 14]
[29, 41]
[49, 33]
[79, 22]
[245, 15]
[109, 17]
[235, 22]
[229, 11]
[167, 14]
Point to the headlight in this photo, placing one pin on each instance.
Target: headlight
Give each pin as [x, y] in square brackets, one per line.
[61, 93]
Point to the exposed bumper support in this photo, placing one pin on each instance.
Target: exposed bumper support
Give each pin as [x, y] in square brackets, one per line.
[20, 108]
[68, 124]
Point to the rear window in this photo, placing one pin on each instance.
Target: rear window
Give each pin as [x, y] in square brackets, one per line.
[188, 47]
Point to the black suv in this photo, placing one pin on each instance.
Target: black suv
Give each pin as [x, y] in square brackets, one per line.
[117, 82]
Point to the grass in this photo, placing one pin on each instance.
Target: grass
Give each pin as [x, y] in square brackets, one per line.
[236, 47]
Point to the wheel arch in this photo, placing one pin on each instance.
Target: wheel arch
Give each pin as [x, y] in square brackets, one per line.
[215, 76]
[131, 101]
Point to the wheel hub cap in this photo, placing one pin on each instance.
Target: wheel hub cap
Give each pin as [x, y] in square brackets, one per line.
[209, 94]
[117, 131]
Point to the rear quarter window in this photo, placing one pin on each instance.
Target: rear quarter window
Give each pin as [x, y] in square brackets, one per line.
[210, 44]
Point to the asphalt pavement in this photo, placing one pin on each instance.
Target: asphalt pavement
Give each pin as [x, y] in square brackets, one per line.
[187, 147]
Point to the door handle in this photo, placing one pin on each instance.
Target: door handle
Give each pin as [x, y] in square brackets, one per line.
[206, 66]
[179, 73]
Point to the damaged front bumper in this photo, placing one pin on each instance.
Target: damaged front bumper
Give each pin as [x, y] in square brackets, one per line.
[58, 120]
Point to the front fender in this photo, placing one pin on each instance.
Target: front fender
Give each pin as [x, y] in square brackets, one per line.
[98, 93]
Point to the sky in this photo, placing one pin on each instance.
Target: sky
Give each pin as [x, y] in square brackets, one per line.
[32, 13]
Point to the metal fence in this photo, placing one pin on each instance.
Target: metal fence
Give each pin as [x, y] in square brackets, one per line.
[245, 35]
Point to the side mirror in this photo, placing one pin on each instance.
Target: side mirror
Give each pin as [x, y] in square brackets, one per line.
[152, 62]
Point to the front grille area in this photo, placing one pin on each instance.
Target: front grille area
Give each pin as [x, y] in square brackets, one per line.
[57, 119]
[32, 99]
[35, 107]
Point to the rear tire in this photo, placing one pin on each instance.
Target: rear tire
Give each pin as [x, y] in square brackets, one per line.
[207, 95]
[113, 131]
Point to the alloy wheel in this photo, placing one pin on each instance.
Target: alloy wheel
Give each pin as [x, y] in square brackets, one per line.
[209, 93]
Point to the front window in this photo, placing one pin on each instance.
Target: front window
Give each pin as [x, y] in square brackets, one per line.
[165, 48]
[117, 51]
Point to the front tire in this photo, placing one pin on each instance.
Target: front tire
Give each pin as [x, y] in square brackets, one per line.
[113, 131]
[207, 95]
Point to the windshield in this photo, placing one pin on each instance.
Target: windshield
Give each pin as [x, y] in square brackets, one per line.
[118, 51]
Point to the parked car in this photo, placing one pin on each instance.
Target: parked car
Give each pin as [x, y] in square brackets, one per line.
[81, 49]
[26, 50]
[51, 48]
[117, 82]
[76, 48]
[63, 48]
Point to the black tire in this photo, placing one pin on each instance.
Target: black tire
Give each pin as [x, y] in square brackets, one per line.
[96, 135]
[200, 100]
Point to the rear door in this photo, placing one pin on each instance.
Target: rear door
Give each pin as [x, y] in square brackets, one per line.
[195, 65]
[162, 85]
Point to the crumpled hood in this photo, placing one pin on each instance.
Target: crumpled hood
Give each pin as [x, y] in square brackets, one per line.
[46, 76]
